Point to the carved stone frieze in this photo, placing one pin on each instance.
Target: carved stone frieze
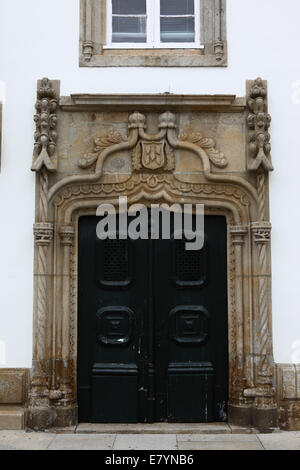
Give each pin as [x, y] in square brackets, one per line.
[45, 120]
[258, 121]
[152, 182]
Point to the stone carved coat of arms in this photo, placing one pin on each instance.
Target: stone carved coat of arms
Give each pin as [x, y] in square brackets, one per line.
[153, 155]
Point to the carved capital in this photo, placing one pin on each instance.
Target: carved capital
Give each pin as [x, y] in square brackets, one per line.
[43, 233]
[261, 232]
[238, 233]
[67, 234]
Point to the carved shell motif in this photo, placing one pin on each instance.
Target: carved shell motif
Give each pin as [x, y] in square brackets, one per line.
[216, 157]
[100, 144]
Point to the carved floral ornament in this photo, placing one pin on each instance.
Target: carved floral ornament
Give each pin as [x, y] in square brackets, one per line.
[151, 151]
[45, 136]
[258, 124]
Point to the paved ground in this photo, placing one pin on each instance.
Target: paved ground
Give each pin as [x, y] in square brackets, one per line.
[19, 440]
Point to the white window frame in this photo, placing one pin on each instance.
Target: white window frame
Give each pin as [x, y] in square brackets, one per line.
[153, 30]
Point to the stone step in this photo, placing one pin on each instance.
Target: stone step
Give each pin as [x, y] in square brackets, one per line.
[12, 419]
[159, 428]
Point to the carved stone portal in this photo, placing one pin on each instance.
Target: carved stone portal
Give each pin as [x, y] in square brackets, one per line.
[162, 148]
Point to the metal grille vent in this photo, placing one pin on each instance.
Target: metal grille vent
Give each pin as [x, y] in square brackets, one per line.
[188, 263]
[115, 262]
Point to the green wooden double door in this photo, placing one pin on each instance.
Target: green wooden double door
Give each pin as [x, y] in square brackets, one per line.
[152, 341]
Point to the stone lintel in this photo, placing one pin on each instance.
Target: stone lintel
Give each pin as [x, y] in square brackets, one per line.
[147, 102]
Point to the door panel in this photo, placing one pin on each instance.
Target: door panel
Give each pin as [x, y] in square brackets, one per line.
[152, 341]
[191, 327]
[111, 315]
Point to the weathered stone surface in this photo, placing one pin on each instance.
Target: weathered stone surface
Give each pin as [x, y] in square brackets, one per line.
[13, 386]
[288, 392]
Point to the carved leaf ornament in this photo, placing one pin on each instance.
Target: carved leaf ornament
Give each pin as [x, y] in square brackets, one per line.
[100, 144]
[216, 157]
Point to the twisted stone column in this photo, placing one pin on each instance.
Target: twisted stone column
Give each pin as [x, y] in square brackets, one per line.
[265, 415]
[38, 396]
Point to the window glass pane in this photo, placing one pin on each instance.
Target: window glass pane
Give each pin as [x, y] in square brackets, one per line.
[177, 29]
[129, 7]
[128, 29]
[176, 7]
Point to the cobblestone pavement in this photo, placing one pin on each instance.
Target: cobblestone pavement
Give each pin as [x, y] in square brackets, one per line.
[72, 440]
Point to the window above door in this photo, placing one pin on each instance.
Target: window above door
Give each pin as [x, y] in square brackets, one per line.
[153, 33]
[153, 24]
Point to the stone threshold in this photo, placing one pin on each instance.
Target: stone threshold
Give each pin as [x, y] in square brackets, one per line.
[154, 428]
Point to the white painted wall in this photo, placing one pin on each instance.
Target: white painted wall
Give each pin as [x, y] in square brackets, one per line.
[40, 39]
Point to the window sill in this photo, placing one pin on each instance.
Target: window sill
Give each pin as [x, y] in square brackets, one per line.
[209, 55]
[151, 47]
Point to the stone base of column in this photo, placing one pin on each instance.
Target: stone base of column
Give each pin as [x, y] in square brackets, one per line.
[65, 416]
[43, 418]
[40, 418]
[265, 419]
[240, 415]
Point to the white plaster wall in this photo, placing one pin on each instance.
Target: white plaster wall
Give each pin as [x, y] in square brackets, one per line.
[40, 39]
